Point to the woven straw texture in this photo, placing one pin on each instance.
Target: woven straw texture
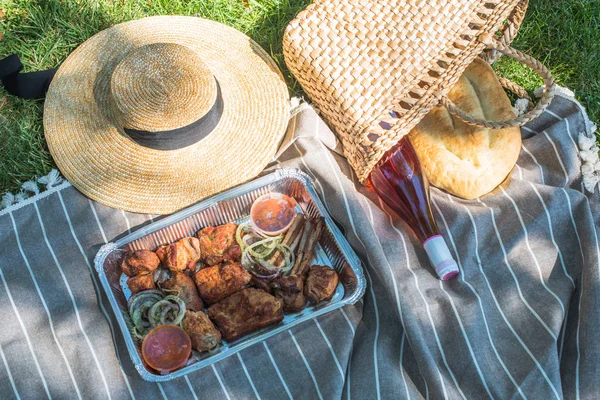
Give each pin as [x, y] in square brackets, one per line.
[157, 74]
[161, 86]
[376, 67]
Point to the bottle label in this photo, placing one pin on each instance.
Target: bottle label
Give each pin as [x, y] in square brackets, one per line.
[440, 257]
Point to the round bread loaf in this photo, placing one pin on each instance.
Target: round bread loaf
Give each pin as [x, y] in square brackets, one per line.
[466, 160]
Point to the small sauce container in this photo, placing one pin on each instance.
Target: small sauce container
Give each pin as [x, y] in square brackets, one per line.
[166, 348]
[273, 213]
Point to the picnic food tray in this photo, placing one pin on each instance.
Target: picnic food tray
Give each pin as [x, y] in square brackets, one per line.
[232, 206]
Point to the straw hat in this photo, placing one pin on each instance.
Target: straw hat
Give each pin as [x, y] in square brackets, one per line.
[155, 114]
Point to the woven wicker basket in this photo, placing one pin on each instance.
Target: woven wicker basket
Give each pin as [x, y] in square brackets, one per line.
[376, 67]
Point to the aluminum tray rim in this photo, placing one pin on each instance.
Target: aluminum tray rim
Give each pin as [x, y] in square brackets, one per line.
[278, 174]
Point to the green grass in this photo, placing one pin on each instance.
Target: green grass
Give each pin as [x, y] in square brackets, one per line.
[564, 34]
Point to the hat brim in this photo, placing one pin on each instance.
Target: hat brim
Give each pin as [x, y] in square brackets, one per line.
[100, 160]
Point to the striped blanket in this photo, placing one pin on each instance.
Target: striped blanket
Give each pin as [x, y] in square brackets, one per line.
[521, 320]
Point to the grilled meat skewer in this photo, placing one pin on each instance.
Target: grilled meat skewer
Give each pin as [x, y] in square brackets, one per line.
[291, 236]
[306, 252]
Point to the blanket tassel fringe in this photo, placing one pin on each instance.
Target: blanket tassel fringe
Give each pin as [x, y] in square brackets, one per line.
[590, 162]
[32, 188]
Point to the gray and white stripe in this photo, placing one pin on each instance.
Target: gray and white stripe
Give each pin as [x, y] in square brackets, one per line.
[520, 321]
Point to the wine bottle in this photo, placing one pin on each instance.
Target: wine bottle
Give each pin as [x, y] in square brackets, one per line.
[398, 180]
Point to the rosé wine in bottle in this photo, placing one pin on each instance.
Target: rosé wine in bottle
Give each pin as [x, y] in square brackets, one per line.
[399, 181]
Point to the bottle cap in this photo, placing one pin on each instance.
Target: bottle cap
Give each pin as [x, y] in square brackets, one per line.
[440, 257]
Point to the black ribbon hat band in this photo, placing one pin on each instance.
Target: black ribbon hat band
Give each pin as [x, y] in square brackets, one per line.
[186, 135]
[32, 85]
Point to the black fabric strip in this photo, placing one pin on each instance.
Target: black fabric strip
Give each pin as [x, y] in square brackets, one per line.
[30, 85]
[184, 136]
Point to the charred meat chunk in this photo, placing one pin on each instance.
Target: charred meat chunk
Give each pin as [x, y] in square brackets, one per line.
[161, 253]
[290, 289]
[261, 283]
[183, 287]
[320, 283]
[139, 262]
[203, 333]
[218, 244]
[246, 311]
[181, 255]
[141, 282]
[216, 283]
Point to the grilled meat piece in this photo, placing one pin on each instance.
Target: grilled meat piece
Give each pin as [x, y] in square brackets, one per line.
[246, 311]
[261, 283]
[141, 282]
[183, 287]
[216, 283]
[161, 253]
[139, 262]
[320, 283]
[218, 244]
[203, 333]
[181, 255]
[290, 289]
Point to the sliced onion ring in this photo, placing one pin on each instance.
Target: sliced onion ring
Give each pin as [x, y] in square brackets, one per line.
[268, 246]
[271, 276]
[146, 294]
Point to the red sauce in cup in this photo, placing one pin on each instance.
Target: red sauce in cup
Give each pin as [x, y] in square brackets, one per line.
[273, 213]
[166, 348]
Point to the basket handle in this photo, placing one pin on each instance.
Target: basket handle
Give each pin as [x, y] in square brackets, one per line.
[540, 107]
